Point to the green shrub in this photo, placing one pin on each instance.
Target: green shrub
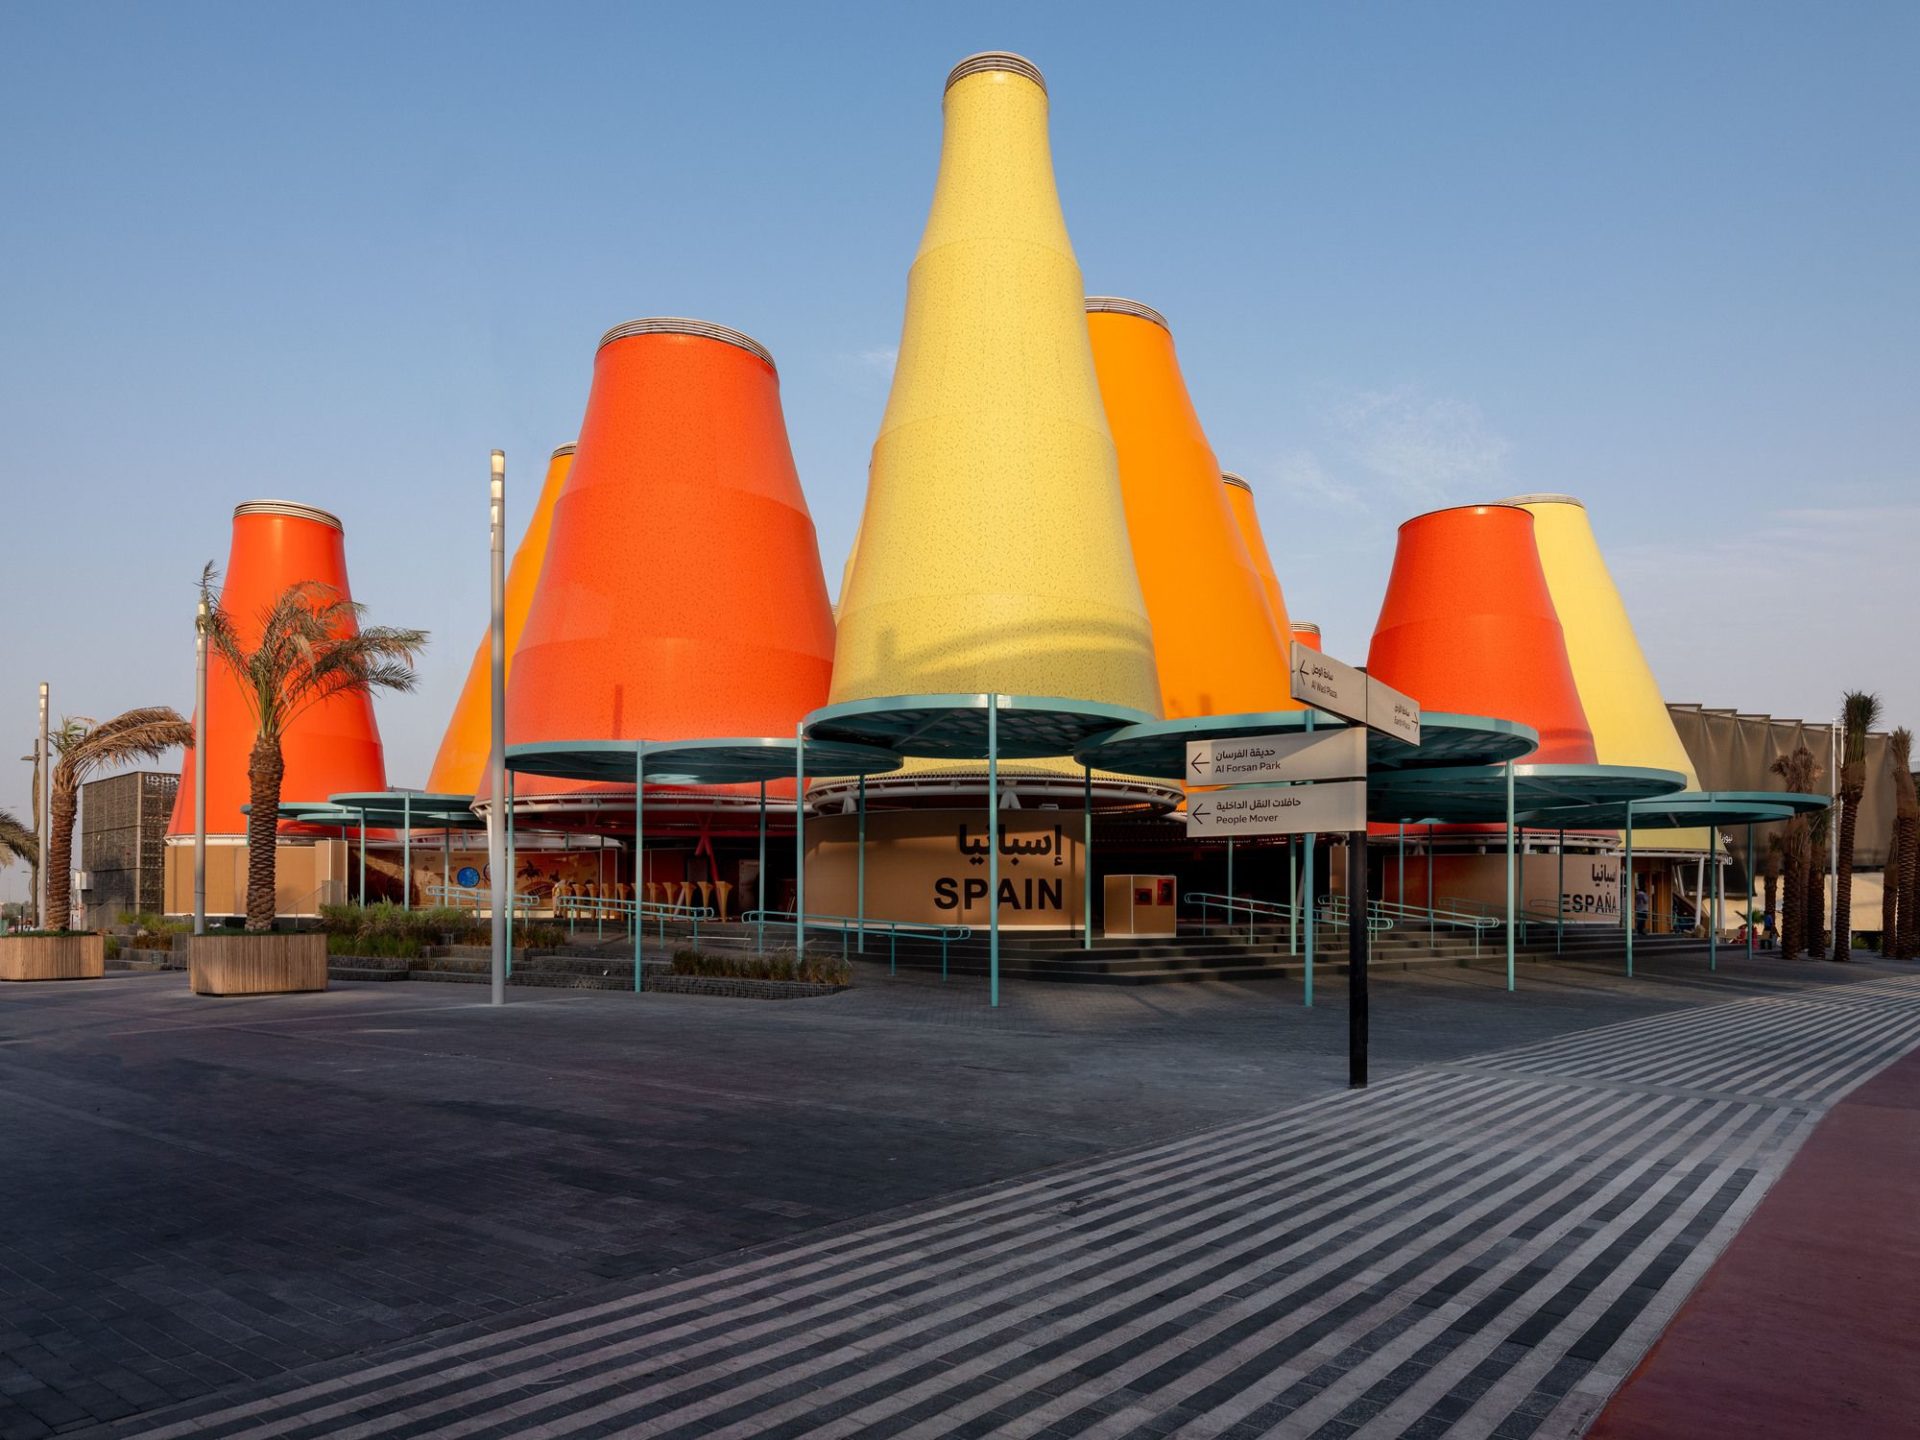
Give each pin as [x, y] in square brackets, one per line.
[774, 965]
[149, 926]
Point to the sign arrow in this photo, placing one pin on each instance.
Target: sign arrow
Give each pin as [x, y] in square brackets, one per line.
[1199, 761]
[1198, 812]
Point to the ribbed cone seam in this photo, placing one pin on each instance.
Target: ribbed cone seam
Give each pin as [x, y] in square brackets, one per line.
[1544, 498]
[1119, 305]
[1005, 60]
[1228, 477]
[679, 325]
[291, 508]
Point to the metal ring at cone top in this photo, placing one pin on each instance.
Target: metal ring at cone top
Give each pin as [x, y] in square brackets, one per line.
[1306, 627]
[997, 60]
[1542, 499]
[1469, 505]
[1232, 479]
[291, 508]
[560, 450]
[678, 325]
[1120, 305]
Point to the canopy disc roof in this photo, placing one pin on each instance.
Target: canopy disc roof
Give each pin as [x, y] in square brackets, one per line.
[1158, 749]
[1477, 794]
[312, 812]
[423, 810]
[1687, 810]
[954, 727]
[731, 761]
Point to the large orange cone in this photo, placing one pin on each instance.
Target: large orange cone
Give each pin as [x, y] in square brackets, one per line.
[1214, 640]
[1468, 626]
[1240, 499]
[332, 747]
[993, 550]
[1307, 634]
[681, 597]
[462, 762]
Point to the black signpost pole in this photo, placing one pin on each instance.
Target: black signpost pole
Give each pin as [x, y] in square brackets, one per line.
[1357, 937]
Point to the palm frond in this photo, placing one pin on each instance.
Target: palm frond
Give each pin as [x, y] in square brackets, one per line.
[17, 840]
[86, 747]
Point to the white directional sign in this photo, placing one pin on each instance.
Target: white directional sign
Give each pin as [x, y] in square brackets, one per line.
[1392, 713]
[1256, 759]
[1339, 805]
[1328, 684]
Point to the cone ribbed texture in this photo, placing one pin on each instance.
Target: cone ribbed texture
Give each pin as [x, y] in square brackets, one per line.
[1214, 640]
[681, 595]
[1624, 709]
[461, 764]
[993, 552]
[1247, 519]
[1468, 626]
[333, 747]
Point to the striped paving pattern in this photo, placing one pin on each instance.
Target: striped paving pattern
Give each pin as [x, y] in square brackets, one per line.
[1480, 1249]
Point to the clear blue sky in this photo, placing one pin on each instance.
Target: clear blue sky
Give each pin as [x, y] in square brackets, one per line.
[1663, 257]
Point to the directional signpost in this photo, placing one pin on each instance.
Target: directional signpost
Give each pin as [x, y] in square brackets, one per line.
[1278, 809]
[1263, 759]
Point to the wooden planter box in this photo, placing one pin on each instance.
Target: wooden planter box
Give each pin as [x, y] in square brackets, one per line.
[52, 957]
[257, 964]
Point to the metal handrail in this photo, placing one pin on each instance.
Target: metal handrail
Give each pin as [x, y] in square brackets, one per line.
[1410, 914]
[855, 924]
[597, 907]
[521, 902]
[1277, 910]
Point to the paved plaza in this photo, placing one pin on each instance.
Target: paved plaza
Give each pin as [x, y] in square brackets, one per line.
[390, 1210]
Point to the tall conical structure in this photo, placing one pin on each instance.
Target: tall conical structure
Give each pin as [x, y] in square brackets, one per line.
[333, 747]
[681, 596]
[1624, 708]
[1214, 640]
[1240, 499]
[993, 550]
[462, 762]
[1468, 625]
[1307, 633]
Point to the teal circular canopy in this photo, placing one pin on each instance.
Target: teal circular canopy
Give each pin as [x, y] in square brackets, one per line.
[1477, 794]
[419, 809]
[1157, 749]
[739, 760]
[954, 727]
[1686, 810]
[313, 812]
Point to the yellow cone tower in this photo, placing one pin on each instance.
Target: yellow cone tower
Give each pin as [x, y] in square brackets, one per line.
[1240, 497]
[462, 761]
[1625, 711]
[993, 552]
[1213, 636]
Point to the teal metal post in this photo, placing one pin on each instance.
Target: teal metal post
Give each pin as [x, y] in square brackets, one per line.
[1560, 897]
[799, 843]
[513, 874]
[406, 852]
[1509, 875]
[993, 849]
[446, 862]
[1749, 904]
[760, 880]
[1230, 890]
[1430, 891]
[1628, 909]
[1086, 860]
[1713, 914]
[639, 862]
[1307, 904]
[860, 870]
[1400, 894]
[363, 858]
[1293, 898]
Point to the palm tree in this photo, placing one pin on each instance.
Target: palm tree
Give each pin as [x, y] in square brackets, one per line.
[1770, 879]
[1797, 769]
[311, 649]
[1901, 744]
[1859, 713]
[17, 841]
[84, 748]
[1819, 828]
[1906, 827]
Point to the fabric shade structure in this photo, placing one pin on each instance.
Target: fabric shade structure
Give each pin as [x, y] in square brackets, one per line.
[1468, 625]
[681, 596]
[461, 763]
[1308, 635]
[1629, 720]
[993, 553]
[334, 745]
[1214, 640]
[1240, 500]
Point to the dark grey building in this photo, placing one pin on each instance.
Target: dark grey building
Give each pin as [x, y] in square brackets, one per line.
[123, 832]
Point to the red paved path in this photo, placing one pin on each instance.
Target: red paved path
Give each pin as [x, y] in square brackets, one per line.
[1808, 1327]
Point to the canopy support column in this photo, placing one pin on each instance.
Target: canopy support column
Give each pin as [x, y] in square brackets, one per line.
[860, 870]
[993, 849]
[639, 861]
[1086, 859]
[1307, 905]
[1629, 911]
[1510, 864]
[760, 879]
[406, 852]
[1560, 897]
[363, 857]
[1230, 889]
[1749, 906]
[1713, 912]
[1293, 898]
[799, 843]
[513, 872]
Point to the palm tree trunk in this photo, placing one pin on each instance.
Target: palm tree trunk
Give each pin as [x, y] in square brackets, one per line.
[1792, 910]
[1909, 887]
[1816, 902]
[1890, 894]
[1843, 876]
[59, 914]
[265, 768]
